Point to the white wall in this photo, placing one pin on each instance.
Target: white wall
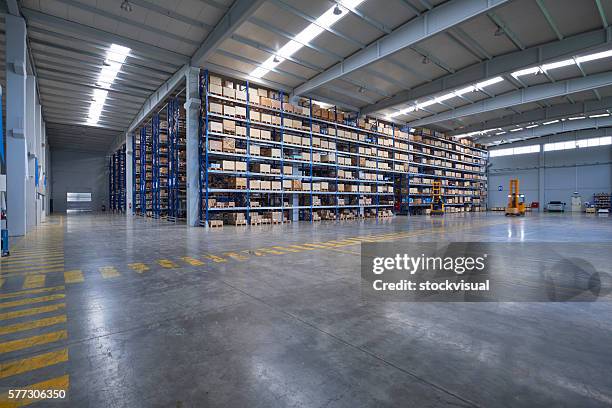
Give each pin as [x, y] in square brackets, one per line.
[79, 172]
[555, 175]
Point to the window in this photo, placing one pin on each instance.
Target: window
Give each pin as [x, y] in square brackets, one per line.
[78, 197]
[78, 202]
[515, 150]
[592, 142]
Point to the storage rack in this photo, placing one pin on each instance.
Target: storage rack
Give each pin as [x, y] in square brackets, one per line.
[601, 201]
[265, 160]
[116, 180]
[159, 168]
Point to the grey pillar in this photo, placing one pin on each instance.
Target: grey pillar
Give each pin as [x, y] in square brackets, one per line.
[541, 178]
[192, 111]
[16, 150]
[30, 137]
[129, 188]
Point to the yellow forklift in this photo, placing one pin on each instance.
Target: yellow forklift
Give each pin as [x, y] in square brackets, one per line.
[516, 200]
[437, 204]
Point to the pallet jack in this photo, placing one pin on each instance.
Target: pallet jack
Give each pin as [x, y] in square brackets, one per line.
[437, 203]
[516, 201]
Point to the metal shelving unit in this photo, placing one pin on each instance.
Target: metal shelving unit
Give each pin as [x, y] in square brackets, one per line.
[117, 180]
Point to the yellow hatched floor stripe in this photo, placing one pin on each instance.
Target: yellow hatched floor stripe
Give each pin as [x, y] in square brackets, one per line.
[20, 344]
[31, 311]
[75, 276]
[236, 256]
[281, 248]
[34, 281]
[31, 261]
[109, 272]
[301, 247]
[192, 261]
[24, 365]
[139, 267]
[271, 251]
[31, 292]
[35, 324]
[166, 263]
[58, 383]
[214, 258]
[28, 301]
[25, 273]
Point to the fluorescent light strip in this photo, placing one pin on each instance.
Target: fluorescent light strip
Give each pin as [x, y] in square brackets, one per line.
[562, 63]
[577, 118]
[601, 115]
[312, 31]
[516, 130]
[531, 126]
[115, 57]
[551, 122]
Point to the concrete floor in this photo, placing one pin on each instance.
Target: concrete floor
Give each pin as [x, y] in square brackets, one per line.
[160, 315]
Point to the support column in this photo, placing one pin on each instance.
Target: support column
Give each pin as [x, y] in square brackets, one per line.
[192, 111]
[541, 178]
[16, 149]
[30, 138]
[129, 174]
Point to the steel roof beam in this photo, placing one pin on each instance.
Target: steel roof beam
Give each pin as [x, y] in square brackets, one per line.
[63, 120]
[427, 25]
[501, 65]
[522, 96]
[238, 13]
[602, 13]
[561, 127]
[507, 30]
[172, 14]
[103, 36]
[541, 115]
[549, 19]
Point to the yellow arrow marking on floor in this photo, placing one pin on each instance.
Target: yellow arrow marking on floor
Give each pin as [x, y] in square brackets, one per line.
[166, 263]
[109, 272]
[139, 267]
[58, 383]
[15, 367]
[34, 281]
[46, 322]
[32, 311]
[192, 261]
[75, 276]
[28, 342]
[28, 301]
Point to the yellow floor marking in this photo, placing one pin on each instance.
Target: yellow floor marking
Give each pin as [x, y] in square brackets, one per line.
[301, 247]
[75, 276]
[214, 258]
[317, 246]
[28, 342]
[2, 282]
[30, 292]
[34, 281]
[25, 273]
[28, 301]
[138, 267]
[58, 383]
[109, 272]
[286, 249]
[166, 263]
[192, 261]
[35, 324]
[30, 261]
[32, 265]
[236, 256]
[15, 367]
[32, 311]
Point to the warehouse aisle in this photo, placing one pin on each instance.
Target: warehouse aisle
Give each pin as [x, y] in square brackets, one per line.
[130, 311]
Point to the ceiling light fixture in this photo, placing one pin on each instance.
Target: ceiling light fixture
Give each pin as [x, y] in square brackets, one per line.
[425, 60]
[276, 59]
[126, 6]
[516, 130]
[577, 118]
[304, 37]
[551, 122]
[499, 32]
[600, 115]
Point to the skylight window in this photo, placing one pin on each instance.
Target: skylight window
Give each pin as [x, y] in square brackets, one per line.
[115, 57]
[326, 20]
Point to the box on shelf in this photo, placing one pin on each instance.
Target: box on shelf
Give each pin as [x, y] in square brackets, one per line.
[265, 185]
[216, 108]
[241, 131]
[254, 150]
[255, 133]
[228, 165]
[229, 110]
[241, 95]
[238, 183]
[255, 185]
[229, 145]
[276, 185]
[215, 145]
[241, 166]
[296, 184]
[229, 126]
[216, 127]
[240, 111]
[229, 92]
[261, 168]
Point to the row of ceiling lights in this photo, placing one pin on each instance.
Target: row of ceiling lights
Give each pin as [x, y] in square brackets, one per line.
[500, 131]
[516, 74]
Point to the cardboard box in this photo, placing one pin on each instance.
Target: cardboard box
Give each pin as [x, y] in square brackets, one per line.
[241, 131]
[228, 165]
[253, 97]
[229, 92]
[216, 108]
[229, 110]
[240, 111]
[241, 95]
[229, 126]
[254, 150]
[229, 145]
[255, 116]
[262, 92]
[214, 80]
[286, 184]
[238, 183]
[215, 145]
[215, 89]
[266, 135]
[296, 184]
[276, 185]
[261, 168]
[287, 170]
[255, 185]
[266, 185]
[216, 127]
[241, 166]
[255, 133]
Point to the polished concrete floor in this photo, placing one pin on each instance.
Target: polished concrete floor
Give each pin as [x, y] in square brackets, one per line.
[132, 312]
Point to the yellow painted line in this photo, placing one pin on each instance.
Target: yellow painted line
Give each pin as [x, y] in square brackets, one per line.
[28, 342]
[5, 305]
[166, 263]
[32, 311]
[285, 249]
[109, 272]
[75, 276]
[321, 246]
[236, 256]
[31, 265]
[35, 324]
[34, 281]
[192, 261]
[15, 367]
[31, 292]
[25, 273]
[214, 258]
[271, 251]
[139, 267]
[30, 261]
[303, 248]
[58, 383]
